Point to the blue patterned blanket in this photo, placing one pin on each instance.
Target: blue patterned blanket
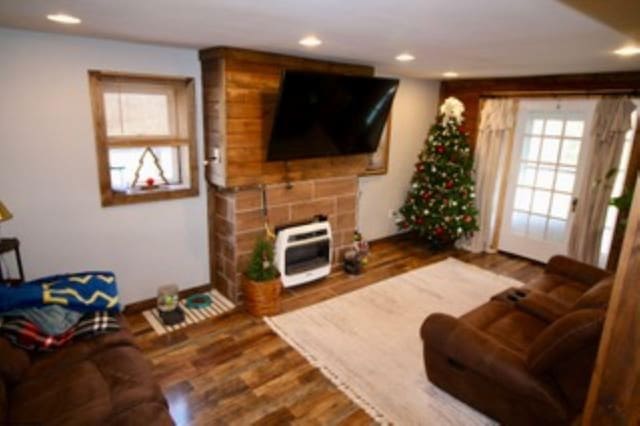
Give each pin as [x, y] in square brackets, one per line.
[82, 292]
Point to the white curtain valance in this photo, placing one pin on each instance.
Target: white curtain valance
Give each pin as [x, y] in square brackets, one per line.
[498, 114]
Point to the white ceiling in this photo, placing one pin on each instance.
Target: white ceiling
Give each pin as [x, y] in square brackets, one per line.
[474, 37]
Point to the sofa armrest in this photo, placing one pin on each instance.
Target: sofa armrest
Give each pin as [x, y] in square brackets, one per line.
[469, 348]
[575, 270]
[534, 303]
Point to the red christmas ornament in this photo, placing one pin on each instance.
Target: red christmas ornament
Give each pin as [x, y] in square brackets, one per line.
[440, 149]
[419, 221]
[449, 184]
[439, 230]
[467, 219]
[426, 196]
[149, 181]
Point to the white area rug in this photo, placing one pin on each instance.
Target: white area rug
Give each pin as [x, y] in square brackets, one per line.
[219, 305]
[368, 342]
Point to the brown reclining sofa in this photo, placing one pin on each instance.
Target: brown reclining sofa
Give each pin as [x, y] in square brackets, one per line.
[101, 381]
[526, 356]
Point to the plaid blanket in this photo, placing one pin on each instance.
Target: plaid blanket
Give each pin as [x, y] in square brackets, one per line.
[27, 335]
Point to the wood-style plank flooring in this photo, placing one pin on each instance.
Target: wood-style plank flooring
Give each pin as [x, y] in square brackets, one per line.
[234, 370]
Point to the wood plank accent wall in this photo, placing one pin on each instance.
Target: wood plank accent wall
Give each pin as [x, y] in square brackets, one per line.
[240, 94]
[472, 91]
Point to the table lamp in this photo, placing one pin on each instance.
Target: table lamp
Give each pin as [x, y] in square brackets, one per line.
[5, 214]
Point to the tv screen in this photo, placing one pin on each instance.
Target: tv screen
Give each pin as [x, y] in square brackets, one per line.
[321, 115]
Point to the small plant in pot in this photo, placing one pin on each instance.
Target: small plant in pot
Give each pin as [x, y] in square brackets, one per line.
[262, 284]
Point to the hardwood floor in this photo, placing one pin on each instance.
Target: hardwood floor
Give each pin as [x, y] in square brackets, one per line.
[234, 370]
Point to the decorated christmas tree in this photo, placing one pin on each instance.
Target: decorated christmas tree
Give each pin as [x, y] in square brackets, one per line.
[440, 203]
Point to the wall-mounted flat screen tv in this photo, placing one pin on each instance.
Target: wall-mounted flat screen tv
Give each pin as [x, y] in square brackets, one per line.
[322, 115]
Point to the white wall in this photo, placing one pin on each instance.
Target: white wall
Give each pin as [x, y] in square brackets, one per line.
[414, 111]
[48, 174]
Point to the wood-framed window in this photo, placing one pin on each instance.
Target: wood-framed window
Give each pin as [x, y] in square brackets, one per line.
[145, 137]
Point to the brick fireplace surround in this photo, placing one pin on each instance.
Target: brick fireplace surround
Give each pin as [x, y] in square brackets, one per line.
[239, 221]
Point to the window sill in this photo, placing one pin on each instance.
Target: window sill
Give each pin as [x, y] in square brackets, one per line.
[133, 196]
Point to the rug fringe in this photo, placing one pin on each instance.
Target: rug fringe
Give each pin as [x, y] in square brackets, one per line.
[353, 394]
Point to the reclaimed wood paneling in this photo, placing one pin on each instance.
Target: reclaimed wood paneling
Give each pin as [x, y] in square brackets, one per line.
[240, 94]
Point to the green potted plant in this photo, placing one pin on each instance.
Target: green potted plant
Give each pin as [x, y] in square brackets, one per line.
[262, 284]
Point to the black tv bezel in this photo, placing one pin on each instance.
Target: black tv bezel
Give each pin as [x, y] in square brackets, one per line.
[283, 74]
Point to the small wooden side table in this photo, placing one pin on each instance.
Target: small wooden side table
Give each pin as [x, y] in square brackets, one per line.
[7, 245]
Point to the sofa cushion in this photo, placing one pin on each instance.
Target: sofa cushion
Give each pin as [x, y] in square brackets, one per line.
[110, 381]
[78, 351]
[13, 361]
[78, 393]
[597, 297]
[510, 327]
[569, 334]
[128, 377]
[561, 288]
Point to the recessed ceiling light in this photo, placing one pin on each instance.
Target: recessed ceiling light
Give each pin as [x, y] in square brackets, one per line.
[450, 74]
[63, 18]
[310, 41]
[628, 51]
[405, 57]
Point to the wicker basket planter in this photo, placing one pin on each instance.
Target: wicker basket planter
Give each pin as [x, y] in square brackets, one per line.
[262, 298]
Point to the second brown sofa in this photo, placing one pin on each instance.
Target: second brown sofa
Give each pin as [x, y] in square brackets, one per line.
[526, 356]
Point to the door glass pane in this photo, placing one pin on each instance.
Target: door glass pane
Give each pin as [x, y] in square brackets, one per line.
[536, 226]
[574, 128]
[565, 179]
[530, 148]
[523, 199]
[560, 205]
[537, 125]
[527, 175]
[556, 230]
[550, 147]
[544, 178]
[519, 222]
[553, 128]
[570, 151]
[541, 201]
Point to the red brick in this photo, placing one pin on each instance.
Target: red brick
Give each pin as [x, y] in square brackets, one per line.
[223, 206]
[280, 194]
[223, 227]
[347, 221]
[243, 261]
[303, 211]
[230, 269]
[245, 241]
[346, 203]
[336, 187]
[279, 215]
[248, 199]
[249, 220]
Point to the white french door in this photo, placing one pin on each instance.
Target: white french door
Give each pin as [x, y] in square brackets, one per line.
[545, 172]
